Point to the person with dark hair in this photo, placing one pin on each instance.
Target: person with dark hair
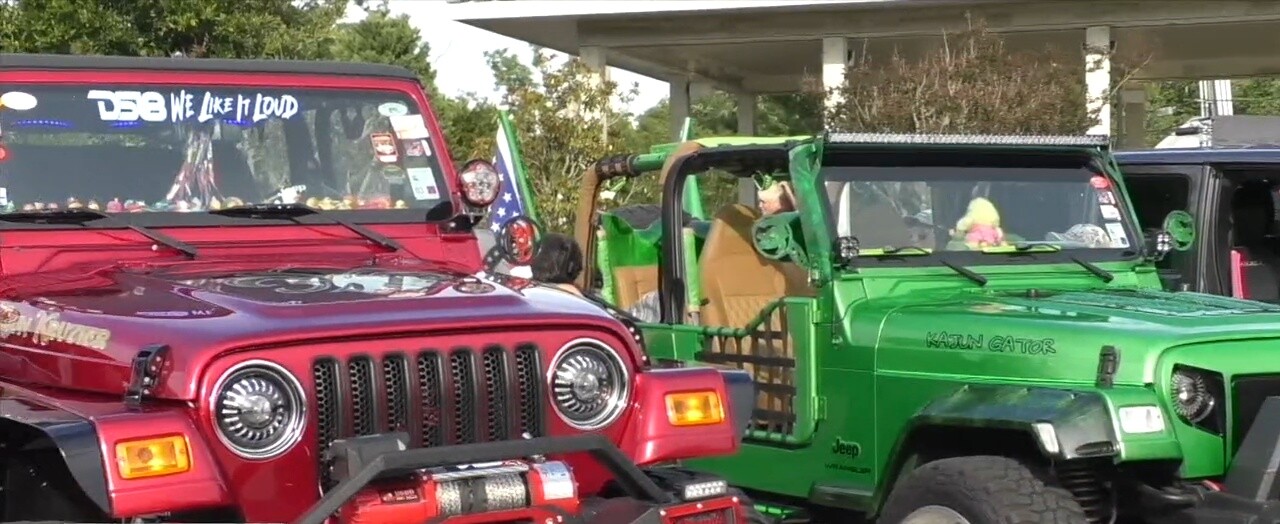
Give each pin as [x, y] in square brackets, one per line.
[557, 260]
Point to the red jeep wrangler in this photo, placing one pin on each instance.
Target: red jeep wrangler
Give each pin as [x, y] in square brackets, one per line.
[250, 291]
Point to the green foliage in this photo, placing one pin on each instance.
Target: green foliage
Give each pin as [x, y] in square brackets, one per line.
[971, 84]
[199, 28]
[385, 39]
[566, 120]
[1169, 105]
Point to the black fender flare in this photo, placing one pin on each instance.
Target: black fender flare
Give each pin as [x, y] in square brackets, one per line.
[75, 437]
[1081, 420]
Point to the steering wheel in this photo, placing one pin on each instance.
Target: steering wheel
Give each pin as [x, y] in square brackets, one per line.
[516, 243]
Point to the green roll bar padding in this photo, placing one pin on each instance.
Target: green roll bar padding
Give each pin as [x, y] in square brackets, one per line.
[693, 281]
[605, 263]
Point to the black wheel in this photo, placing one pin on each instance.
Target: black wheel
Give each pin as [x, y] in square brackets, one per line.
[979, 490]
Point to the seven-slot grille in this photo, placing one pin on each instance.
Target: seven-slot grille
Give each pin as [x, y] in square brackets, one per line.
[460, 396]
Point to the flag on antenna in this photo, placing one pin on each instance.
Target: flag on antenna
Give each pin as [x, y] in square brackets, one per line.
[515, 199]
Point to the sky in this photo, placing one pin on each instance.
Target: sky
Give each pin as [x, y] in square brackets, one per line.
[457, 52]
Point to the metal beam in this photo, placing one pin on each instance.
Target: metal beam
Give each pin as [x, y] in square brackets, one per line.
[621, 59]
[816, 23]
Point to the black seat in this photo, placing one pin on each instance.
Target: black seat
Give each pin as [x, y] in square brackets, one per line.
[1252, 215]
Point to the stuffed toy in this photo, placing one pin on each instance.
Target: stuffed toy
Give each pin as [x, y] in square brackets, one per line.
[980, 225]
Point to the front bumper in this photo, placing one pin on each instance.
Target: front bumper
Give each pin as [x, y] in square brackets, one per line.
[364, 461]
[1250, 491]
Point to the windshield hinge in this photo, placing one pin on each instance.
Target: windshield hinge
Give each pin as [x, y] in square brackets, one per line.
[1108, 364]
[820, 407]
[147, 367]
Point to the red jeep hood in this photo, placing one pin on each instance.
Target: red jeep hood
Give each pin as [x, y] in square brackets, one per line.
[82, 329]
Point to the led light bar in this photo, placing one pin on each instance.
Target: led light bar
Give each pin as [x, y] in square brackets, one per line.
[1002, 140]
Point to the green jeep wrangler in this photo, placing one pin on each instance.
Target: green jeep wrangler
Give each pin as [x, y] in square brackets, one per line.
[950, 329]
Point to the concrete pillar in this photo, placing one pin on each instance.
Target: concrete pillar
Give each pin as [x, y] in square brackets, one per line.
[1097, 77]
[747, 127]
[746, 114]
[680, 102]
[835, 63]
[595, 58]
[1133, 112]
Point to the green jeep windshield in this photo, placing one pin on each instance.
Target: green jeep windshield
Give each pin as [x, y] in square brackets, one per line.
[993, 214]
[176, 150]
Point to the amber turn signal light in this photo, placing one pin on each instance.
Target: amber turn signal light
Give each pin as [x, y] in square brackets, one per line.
[698, 408]
[153, 457]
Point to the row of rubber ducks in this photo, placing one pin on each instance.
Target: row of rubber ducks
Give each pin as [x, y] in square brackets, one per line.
[137, 206]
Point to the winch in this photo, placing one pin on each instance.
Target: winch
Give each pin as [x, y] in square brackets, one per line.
[514, 489]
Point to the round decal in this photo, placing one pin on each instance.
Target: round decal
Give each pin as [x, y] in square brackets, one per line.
[1099, 182]
[4, 153]
[393, 109]
[17, 101]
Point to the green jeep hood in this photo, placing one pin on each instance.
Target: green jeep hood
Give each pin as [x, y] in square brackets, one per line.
[1002, 334]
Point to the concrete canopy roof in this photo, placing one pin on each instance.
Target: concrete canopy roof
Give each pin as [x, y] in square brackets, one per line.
[771, 46]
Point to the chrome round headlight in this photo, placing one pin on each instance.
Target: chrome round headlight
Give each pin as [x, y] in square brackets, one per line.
[258, 409]
[1192, 399]
[589, 384]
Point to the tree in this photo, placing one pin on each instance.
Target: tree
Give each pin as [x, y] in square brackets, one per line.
[381, 38]
[298, 29]
[565, 117]
[971, 84]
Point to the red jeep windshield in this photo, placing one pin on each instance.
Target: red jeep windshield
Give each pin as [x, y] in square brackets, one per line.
[169, 149]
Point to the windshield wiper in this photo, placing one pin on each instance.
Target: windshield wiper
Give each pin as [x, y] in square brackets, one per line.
[82, 216]
[1103, 274]
[293, 211]
[966, 272]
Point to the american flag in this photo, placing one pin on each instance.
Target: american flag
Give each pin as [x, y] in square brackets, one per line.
[515, 199]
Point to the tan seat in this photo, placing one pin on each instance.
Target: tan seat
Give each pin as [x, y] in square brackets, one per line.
[738, 283]
[631, 283]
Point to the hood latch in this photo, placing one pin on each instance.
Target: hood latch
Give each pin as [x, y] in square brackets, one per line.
[147, 367]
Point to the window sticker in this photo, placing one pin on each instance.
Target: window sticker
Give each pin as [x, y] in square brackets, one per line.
[1106, 197]
[416, 147]
[1118, 237]
[422, 182]
[4, 196]
[1110, 212]
[384, 148]
[393, 109]
[17, 101]
[393, 173]
[1099, 182]
[183, 106]
[409, 126]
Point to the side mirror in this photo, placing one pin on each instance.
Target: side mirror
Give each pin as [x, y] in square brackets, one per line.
[1178, 233]
[518, 240]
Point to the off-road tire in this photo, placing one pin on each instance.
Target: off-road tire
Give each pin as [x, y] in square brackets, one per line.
[984, 490]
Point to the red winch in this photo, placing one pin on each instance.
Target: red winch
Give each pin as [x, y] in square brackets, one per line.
[477, 493]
